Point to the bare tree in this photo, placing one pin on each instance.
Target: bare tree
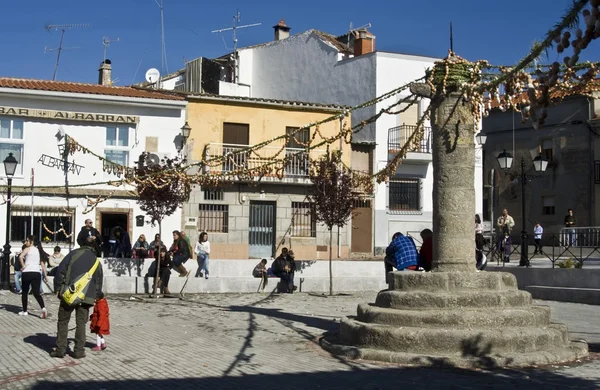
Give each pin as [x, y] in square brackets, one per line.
[333, 196]
[160, 192]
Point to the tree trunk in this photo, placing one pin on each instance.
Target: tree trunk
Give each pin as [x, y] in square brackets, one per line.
[452, 123]
[157, 256]
[330, 261]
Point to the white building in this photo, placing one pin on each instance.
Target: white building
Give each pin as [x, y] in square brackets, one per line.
[346, 70]
[118, 123]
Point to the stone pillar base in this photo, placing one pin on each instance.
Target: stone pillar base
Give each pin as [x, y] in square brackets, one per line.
[460, 319]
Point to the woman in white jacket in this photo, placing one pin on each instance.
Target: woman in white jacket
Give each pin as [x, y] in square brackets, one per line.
[202, 252]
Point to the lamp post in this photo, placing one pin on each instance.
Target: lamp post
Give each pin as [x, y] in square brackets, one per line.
[540, 164]
[10, 166]
[185, 133]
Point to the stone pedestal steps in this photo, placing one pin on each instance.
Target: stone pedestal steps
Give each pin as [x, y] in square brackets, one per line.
[462, 319]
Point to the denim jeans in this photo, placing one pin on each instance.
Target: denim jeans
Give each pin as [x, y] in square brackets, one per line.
[18, 275]
[203, 263]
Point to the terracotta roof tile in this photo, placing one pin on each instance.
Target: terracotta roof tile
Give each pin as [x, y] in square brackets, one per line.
[292, 103]
[91, 89]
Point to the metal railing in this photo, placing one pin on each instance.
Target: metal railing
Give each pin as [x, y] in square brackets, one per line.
[398, 136]
[579, 247]
[297, 160]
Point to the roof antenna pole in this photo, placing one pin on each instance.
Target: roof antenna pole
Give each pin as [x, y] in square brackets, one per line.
[62, 35]
[63, 28]
[451, 39]
[163, 46]
[106, 43]
[236, 20]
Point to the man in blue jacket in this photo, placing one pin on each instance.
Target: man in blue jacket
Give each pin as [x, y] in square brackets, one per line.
[401, 254]
[73, 266]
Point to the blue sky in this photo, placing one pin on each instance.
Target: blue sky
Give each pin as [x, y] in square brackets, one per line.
[501, 32]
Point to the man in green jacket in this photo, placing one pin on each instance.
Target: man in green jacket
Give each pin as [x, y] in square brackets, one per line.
[75, 264]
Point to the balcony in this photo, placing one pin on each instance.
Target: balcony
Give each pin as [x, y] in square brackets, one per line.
[398, 136]
[296, 169]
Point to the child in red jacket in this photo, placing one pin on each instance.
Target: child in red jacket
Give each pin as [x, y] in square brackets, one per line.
[100, 323]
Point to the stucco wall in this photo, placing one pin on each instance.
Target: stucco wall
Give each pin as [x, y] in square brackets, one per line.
[266, 122]
[39, 138]
[304, 68]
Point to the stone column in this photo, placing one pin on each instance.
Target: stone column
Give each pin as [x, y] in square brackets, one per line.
[452, 123]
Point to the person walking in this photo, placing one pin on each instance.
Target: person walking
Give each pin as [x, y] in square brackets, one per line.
[100, 324]
[33, 270]
[202, 251]
[538, 231]
[78, 262]
[17, 266]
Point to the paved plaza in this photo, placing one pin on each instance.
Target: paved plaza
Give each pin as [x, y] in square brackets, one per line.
[247, 341]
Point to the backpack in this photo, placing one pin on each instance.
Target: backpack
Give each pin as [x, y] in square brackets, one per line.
[74, 293]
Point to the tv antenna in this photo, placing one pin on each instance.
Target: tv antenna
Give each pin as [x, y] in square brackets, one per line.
[106, 43]
[352, 30]
[62, 28]
[236, 20]
[163, 46]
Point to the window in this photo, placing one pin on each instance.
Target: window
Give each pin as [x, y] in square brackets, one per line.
[547, 205]
[362, 158]
[304, 221]
[213, 194]
[548, 150]
[298, 162]
[11, 141]
[44, 223]
[236, 136]
[404, 194]
[213, 218]
[117, 145]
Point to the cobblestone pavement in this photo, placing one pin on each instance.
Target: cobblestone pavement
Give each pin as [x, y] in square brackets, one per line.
[250, 341]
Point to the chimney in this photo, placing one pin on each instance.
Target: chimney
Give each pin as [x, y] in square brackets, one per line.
[281, 30]
[104, 77]
[364, 43]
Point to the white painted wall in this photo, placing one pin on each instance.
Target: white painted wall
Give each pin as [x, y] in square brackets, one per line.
[162, 121]
[304, 68]
[232, 89]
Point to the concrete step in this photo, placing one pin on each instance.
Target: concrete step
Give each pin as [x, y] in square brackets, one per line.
[589, 296]
[451, 281]
[470, 318]
[486, 341]
[470, 359]
[424, 300]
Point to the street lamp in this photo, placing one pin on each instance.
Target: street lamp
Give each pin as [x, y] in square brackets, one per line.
[481, 138]
[540, 164]
[185, 133]
[10, 167]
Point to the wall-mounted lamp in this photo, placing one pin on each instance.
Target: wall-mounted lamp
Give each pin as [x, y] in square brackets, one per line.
[481, 138]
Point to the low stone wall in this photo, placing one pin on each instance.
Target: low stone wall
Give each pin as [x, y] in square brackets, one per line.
[559, 284]
[554, 277]
[228, 276]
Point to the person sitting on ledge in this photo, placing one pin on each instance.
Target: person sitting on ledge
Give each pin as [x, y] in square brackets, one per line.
[401, 254]
[260, 271]
[284, 267]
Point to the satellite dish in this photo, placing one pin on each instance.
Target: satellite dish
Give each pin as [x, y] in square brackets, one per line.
[152, 159]
[152, 75]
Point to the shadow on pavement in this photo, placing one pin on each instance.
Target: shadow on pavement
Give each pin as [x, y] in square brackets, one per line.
[379, 378]
[11, 308]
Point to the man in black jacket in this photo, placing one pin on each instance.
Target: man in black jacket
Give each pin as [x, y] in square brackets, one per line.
[284, 267]
[90, 234]
[75, 264]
